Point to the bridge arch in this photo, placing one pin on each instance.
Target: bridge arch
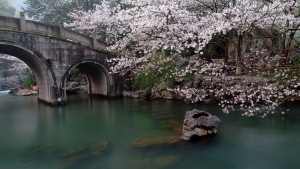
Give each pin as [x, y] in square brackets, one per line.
[41, 70]
[52, 51]
[100, 81]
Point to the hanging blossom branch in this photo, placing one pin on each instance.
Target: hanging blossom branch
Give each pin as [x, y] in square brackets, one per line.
[124, 65]
[255, 97]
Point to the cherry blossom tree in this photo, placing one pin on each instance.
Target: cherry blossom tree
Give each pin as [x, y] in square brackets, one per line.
[145, 27]
[149, 26]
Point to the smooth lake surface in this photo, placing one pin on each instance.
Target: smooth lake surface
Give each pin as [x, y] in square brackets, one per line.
[37, 136]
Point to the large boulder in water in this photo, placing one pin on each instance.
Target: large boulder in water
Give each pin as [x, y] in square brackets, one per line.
[199, 123]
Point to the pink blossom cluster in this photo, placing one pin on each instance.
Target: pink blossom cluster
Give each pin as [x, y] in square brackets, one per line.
[173, 25]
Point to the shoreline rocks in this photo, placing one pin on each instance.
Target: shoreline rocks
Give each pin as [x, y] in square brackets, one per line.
[24, 92]
[205, 84]
[76, 88]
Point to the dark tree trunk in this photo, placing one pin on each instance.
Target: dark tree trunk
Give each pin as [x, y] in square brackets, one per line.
[226, 52]
[289, 43]
[239, 55]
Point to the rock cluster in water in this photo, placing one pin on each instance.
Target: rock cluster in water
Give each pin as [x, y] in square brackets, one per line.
[199, 123]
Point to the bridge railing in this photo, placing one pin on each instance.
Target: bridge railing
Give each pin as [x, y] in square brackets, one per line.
[9, 23]
[28, 26]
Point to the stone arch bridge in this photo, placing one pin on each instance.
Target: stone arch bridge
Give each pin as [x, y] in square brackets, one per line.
[52, 51]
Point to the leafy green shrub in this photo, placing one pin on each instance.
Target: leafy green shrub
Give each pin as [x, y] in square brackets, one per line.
[144, 80]
[189, 77]
[166, 76]
[296, 60]
[27, 82]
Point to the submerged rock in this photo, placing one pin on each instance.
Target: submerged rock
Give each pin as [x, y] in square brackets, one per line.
[199, 123]
[91, 150]
[156, 141]
[172, 138]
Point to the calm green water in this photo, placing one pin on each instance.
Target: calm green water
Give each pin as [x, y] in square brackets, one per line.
[36, 136]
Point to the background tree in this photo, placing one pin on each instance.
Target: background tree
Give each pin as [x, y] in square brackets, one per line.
[56, 11]
[6, 9]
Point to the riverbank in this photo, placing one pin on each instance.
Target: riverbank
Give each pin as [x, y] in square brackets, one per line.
[25, 92]
[206, 84]
[254, 95]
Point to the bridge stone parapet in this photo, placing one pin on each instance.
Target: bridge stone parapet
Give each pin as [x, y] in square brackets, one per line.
[52, 51]
[29, 26]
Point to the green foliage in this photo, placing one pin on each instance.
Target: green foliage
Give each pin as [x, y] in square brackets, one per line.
[27, 83]
[73, 73]
[165, 75]
[6, 9]
[168, 53]
[144, 80]
[189, 77]
[29, 80]
[296, 60]
[248, 72]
